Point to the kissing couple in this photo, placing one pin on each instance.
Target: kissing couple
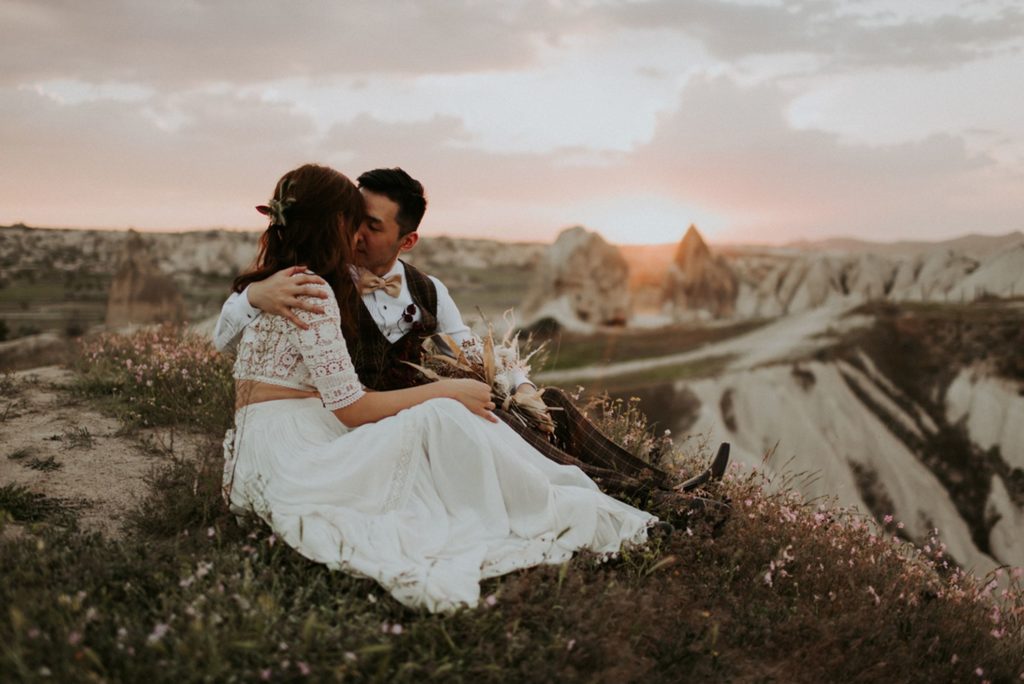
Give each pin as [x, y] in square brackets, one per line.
[359, 462]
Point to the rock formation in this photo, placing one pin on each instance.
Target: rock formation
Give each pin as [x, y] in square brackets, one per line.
[699, 281]
[139, 292]
[581, 281]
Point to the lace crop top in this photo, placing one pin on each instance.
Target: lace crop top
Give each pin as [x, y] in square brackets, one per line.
[276, 351]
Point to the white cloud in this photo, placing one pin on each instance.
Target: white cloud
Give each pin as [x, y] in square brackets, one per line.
[814, 117]
[848, 34]
[107, 163]
[183, 43]
[732, 149]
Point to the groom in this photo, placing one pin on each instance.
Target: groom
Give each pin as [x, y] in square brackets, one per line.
[401, 306]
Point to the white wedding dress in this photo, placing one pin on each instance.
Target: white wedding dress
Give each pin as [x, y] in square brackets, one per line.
[427, 502]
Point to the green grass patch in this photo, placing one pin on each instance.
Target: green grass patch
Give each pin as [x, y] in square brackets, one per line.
[685, 370]
[15, 294]
[570, 350]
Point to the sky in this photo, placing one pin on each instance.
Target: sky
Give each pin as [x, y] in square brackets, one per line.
[758, 121]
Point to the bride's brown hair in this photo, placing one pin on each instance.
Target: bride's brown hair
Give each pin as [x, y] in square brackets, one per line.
[314, 214]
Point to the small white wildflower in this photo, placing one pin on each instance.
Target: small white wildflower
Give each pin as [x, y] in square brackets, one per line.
[159, 632]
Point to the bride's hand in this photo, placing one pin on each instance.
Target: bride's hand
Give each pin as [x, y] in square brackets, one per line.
[474, 395]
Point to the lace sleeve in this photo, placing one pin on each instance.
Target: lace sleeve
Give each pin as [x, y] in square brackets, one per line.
[326, 355]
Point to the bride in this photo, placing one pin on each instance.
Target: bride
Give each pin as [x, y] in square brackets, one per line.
[420, 489]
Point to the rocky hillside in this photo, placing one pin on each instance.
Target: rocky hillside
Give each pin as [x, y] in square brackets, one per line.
[581, 282]
[913, 411]
[774, 285]
[699, 281]
[59, 279]
[785, 280]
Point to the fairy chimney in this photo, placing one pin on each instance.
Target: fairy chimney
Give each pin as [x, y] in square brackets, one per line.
[698, 281]
[581, 281]
[139, 292]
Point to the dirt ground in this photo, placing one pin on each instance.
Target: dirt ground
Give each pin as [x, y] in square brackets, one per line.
[56, 444]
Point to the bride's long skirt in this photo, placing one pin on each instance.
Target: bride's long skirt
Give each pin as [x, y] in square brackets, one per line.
[427, 502]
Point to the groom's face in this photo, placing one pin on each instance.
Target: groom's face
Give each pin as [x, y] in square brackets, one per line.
[378, 243]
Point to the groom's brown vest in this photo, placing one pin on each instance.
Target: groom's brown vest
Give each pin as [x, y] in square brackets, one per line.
[379, 361]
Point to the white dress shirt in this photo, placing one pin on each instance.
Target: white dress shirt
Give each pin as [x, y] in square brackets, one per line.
[386, 311]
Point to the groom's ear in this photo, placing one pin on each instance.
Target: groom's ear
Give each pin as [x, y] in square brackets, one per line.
[409, 241]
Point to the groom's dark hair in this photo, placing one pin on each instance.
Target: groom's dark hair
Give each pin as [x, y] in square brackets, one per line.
[403, 190]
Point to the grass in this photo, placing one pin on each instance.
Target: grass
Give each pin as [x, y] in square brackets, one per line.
[158, 377]
[78, 437]
[9, 384]
[568, 350]
[686, 370]
[194, 595]
[25, 506]
[920, 346]
[19, 454]
[11, 409]
[663, 404]
[786, 590]
[46, 465]
[10, 389]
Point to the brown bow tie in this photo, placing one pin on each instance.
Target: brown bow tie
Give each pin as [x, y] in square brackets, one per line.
[369, 283]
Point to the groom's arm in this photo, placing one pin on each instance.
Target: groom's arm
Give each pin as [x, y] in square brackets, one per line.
[449, 321]
[282, 293]
[236, 313]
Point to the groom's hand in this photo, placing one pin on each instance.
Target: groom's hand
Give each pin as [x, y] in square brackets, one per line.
[279, 294]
